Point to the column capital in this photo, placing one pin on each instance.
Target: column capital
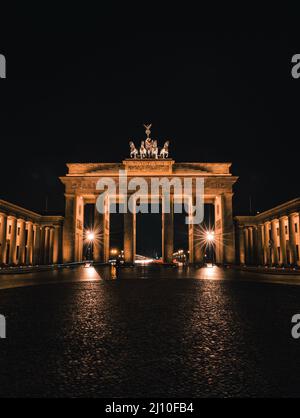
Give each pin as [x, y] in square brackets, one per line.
[69, 196]
[227, 194]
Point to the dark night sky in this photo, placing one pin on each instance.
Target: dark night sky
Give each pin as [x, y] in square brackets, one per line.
[79, 88]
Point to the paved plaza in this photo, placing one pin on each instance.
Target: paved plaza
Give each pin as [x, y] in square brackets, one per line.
[149, 331]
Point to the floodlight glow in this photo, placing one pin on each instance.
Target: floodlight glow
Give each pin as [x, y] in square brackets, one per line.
[90, 236]
[210, 236]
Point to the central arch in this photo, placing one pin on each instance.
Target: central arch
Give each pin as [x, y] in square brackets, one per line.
[148, 233]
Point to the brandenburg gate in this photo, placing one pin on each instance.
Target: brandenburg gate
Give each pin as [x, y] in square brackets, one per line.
[81, 188]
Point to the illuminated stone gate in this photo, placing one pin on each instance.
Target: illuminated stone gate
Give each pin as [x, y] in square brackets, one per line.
[80, 189]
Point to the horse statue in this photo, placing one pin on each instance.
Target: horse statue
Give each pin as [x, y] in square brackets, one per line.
[154, 151]
[133, 151]
[148, 145]
[164, 153]
[143, 152]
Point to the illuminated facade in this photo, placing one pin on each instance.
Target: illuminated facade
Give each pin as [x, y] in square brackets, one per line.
[27, 238]
[80, 189]
[270, 238]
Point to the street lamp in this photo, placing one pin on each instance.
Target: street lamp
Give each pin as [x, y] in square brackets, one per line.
[210, 236]
[90, 237]
[210, 240]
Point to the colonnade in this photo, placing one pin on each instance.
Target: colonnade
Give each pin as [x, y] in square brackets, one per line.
[270, 241]
[74, 232]
[25, 240]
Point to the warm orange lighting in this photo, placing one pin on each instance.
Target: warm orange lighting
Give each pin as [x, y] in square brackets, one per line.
[210, 272]
[91, 274]
[144, 261]
[210, 236]
[90, 236]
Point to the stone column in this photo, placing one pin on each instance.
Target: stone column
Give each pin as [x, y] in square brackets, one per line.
[36, 244]
[102, 232]
[228, 229]
[198, 250]
[47, 245]
[13, 237]
[255, 245]
[51, 244]
[191, 233]
[250, 237]
[260, 256]
[107, 232]
[129, 237]
[69, 230]
[42, 245]
[168, 232]
[57, 245]
[261, 244]
[29, 252]
[219, 244]
[3, 233]
[274, 239]
[21, 259]
[79, 226]
[282, 236]
[268, 260]
[191, 242]
[98, 247]
[242, 257]
[292, 239]
[298, 233]
[246, 240]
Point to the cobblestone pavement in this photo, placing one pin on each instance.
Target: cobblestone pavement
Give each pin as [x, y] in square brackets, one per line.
[149, 332]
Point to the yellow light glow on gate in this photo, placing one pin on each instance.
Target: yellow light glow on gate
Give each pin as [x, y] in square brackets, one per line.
[93, 235]
[90, 236]
[210, 236]
[205, 237]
